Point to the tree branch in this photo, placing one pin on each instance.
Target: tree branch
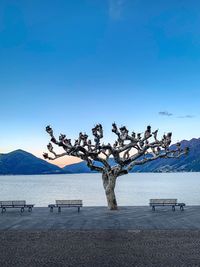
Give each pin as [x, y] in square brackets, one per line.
[167, 154]
[125, 144]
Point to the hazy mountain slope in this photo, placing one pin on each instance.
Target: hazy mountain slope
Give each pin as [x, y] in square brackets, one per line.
[22, 162]
[79, 167]
[189, 163]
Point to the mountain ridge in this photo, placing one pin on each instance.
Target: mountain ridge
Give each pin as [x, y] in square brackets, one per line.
[20, 162]
[187, 163]
[24, 163]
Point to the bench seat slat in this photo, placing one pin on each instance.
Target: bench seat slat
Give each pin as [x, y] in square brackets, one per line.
[163, 201]
[69, 202]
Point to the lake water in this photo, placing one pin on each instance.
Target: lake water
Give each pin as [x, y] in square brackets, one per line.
[131, 189]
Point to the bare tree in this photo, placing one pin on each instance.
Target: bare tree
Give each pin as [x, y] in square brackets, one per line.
[127, 151]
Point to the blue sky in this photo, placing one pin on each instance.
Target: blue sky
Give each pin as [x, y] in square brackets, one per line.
[75, 63]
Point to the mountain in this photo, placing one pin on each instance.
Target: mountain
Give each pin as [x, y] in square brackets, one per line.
[22, 162]
[81, 167]
[187, 163]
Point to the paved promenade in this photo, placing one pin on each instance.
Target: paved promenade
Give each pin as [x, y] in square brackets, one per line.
[100, 248]
[100, 218]
[131, 236]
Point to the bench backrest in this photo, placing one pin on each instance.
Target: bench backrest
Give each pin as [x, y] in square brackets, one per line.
[13, 202]
[69, 202]
[163, 201]
[6, 203]
[19, 202]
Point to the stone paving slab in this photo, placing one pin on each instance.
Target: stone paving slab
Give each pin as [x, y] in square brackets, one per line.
[100, 248]
[94, 218]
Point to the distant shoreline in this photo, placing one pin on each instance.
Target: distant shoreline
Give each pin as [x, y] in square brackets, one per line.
[91, 173]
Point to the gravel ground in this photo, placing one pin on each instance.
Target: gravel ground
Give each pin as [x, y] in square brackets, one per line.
[100, 248]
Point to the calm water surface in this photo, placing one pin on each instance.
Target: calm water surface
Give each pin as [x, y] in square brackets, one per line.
[131, 189]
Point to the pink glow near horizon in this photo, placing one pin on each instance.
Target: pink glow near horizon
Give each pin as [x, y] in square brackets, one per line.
[61, 162]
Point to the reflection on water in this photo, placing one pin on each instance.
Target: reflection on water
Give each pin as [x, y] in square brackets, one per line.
[131, 189]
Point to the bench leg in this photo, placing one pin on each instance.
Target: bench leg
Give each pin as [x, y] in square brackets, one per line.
[22, 209]
[173, 208]
[3, 210]
[59, 209]
[181, 208]
[153, 208]
[51, 209]
[78, 209]
[30, 209]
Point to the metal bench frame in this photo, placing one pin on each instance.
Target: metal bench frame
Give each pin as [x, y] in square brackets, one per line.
[21, 204]
[166, 202]
[66, 204]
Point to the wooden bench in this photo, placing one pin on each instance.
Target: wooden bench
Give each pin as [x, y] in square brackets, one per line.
[66, 204]
[166, 202]
[15, 204]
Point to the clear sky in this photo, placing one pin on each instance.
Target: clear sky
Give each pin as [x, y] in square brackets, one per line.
[74, 63]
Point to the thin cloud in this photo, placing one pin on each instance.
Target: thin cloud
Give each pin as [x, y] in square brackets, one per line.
[116, 8]
[168, 114]
[165, 113]
[186, 116]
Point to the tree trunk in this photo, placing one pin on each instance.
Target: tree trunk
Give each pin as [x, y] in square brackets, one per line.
[109, 181]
